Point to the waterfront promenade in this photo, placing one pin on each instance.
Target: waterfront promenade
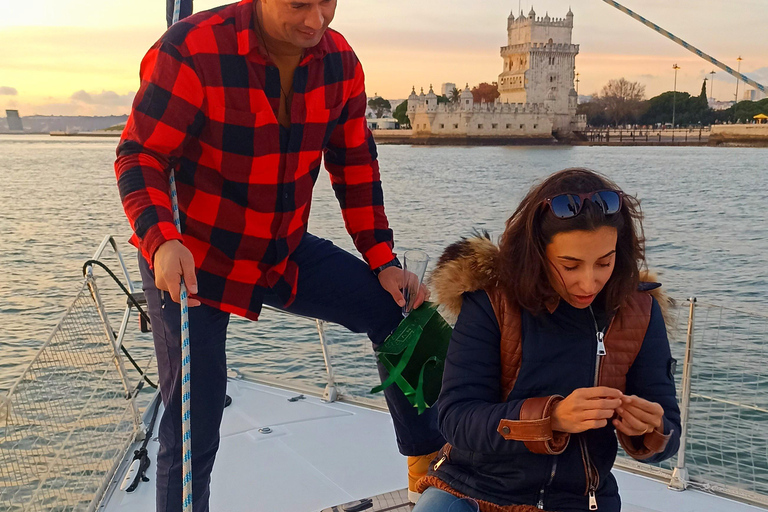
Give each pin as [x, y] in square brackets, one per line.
[643, 137]
[717, 135]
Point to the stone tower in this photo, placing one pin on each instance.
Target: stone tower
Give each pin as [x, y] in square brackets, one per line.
[539, 65]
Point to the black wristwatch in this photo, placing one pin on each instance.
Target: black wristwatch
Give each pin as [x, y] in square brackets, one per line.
[394, 263]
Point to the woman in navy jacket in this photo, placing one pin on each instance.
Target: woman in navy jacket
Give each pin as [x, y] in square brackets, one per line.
[560, 348]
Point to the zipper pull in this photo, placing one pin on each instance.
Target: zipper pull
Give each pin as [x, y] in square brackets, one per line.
[440, 462]
[600, 344]
[592, 501]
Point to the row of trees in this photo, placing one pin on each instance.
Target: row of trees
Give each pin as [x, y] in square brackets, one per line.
[622, 102]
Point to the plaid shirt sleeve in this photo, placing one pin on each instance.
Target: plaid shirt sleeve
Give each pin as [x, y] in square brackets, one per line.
[166, 112]
[351, 160]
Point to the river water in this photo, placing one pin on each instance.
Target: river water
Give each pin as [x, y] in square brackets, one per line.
[706, 223]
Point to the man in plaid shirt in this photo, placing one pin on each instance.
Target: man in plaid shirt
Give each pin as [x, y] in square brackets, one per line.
[243, 101]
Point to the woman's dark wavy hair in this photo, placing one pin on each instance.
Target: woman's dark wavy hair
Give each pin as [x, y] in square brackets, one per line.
[523, 265]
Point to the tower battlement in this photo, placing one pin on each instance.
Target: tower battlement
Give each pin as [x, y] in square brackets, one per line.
[551, 47]
[552, 22]
[546, 20]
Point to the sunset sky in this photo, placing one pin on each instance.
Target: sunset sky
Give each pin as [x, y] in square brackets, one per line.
[81, 57]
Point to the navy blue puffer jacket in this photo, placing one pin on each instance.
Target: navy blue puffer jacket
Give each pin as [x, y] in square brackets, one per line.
[558, 357]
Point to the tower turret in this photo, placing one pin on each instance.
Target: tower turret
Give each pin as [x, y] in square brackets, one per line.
[413, 100]
[431, 100]
[413, 103]
[467, 100]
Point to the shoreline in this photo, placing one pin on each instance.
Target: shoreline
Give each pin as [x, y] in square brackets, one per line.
[386, 137]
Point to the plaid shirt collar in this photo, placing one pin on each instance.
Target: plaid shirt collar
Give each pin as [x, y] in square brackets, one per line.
[248, 41]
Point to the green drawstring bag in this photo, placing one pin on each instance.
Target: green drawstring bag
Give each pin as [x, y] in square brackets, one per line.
[414, 356]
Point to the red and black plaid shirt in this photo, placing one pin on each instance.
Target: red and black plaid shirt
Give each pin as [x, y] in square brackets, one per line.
[207, 107]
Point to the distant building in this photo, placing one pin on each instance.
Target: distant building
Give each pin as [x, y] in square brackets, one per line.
[14, 121]
[753, 95]
[384, 123]
[720, 105]
[536, 87]
[467, 118]
[447, 89]
[371, 113]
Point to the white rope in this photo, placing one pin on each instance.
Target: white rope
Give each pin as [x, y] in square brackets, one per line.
[5, 409]
[186, 378]
[176, 10]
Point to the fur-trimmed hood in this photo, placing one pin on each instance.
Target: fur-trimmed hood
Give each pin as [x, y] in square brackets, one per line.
[472, 264]
[466, 266]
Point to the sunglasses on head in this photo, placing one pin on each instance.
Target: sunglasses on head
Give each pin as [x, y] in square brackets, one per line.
[565, 206]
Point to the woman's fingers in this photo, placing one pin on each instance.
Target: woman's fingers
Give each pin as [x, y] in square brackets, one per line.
[603, 403]
[625, 428]
[649, 418]
[597, 414]
[643, 404]
[598, 392]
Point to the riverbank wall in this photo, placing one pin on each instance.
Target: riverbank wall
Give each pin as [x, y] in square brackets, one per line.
[739, 134]
[406, 137]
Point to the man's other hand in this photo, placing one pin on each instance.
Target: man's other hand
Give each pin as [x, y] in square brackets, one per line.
[393, 280]
[172, 262]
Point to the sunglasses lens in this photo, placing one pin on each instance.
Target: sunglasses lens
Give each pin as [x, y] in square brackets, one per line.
[608, 201]
[566, 206]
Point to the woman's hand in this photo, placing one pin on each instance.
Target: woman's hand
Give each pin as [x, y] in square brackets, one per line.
[585, 409]
[638, 416]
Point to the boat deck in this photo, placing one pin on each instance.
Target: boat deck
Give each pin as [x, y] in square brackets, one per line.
[282, 453]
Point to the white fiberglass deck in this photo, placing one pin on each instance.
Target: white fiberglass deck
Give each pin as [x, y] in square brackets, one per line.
[319, 455]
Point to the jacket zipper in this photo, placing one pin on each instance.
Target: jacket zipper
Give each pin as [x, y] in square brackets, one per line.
[600, 352]
[540, 504]
[446, 453]
[593, 478]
